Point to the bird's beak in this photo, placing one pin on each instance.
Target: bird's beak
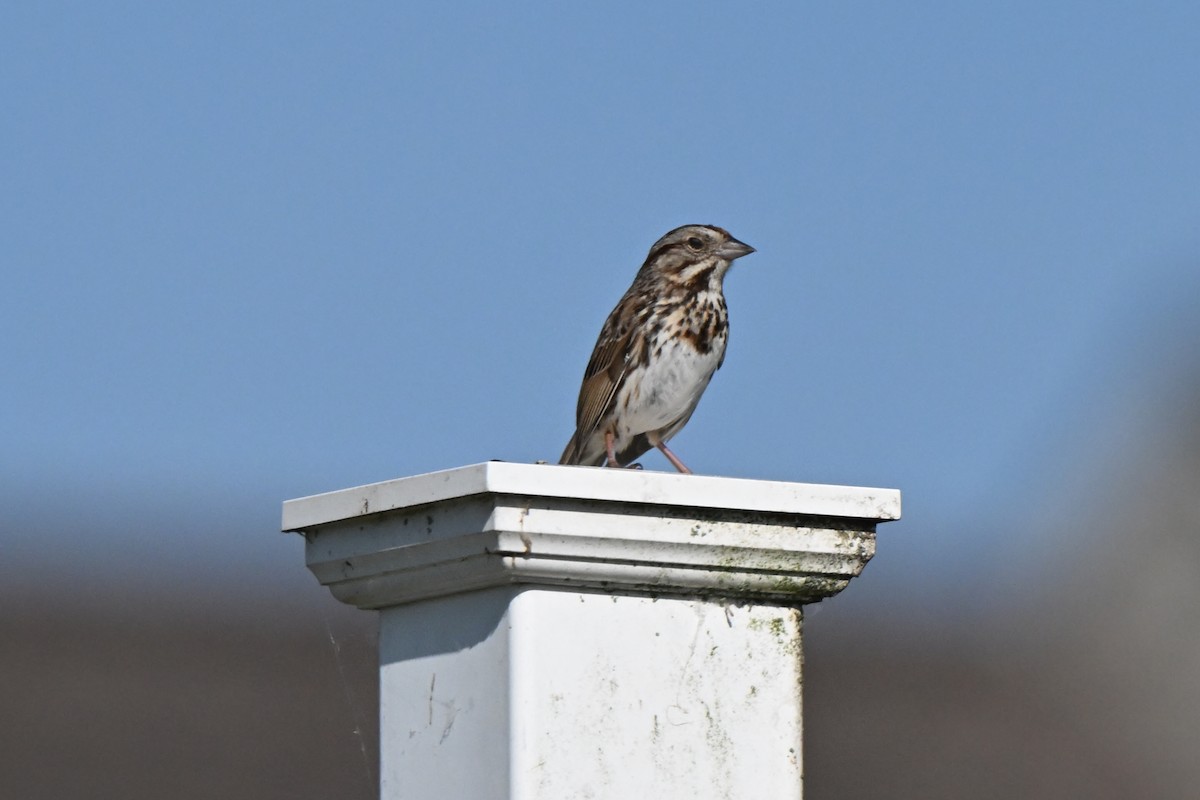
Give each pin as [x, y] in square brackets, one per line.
[734, 249]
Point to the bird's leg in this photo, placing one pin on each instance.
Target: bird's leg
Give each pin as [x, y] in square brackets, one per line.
[674, 459]
[608, 448]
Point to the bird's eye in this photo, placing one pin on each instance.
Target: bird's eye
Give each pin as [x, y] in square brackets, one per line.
[695, 243]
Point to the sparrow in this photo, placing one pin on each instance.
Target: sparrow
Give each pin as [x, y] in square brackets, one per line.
[657, 351]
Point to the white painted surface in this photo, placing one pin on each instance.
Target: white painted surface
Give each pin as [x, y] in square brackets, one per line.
[445, 710]
[580, 695]
[475, 542]
[573, 632]
[593, 483]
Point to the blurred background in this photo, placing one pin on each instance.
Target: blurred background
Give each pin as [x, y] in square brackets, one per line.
[253, 252]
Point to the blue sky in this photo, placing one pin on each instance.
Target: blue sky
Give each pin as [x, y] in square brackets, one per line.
[257, 252]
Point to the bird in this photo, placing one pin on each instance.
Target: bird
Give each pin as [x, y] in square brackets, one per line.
[657, 351]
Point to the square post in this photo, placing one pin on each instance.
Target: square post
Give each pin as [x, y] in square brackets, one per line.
[561, 632]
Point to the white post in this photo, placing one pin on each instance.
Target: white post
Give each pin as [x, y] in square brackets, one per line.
[554, 632]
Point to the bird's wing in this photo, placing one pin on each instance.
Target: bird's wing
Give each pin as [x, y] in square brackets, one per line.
[605, 374]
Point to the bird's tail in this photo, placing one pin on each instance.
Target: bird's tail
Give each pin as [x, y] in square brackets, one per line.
[571, 454]
[584, 451]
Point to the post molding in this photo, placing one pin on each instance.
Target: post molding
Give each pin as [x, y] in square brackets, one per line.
[624, 531]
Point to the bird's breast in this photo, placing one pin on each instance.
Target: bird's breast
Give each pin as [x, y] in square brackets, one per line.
[669, 382]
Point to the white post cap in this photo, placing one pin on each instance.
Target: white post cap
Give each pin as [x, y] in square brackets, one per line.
[624, 531]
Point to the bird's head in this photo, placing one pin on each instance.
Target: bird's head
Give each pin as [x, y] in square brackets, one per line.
[694, 251]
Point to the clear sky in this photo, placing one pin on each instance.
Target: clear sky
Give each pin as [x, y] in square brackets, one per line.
[257, 251]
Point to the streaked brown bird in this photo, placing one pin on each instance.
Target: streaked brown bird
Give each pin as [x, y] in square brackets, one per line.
[657, 351]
